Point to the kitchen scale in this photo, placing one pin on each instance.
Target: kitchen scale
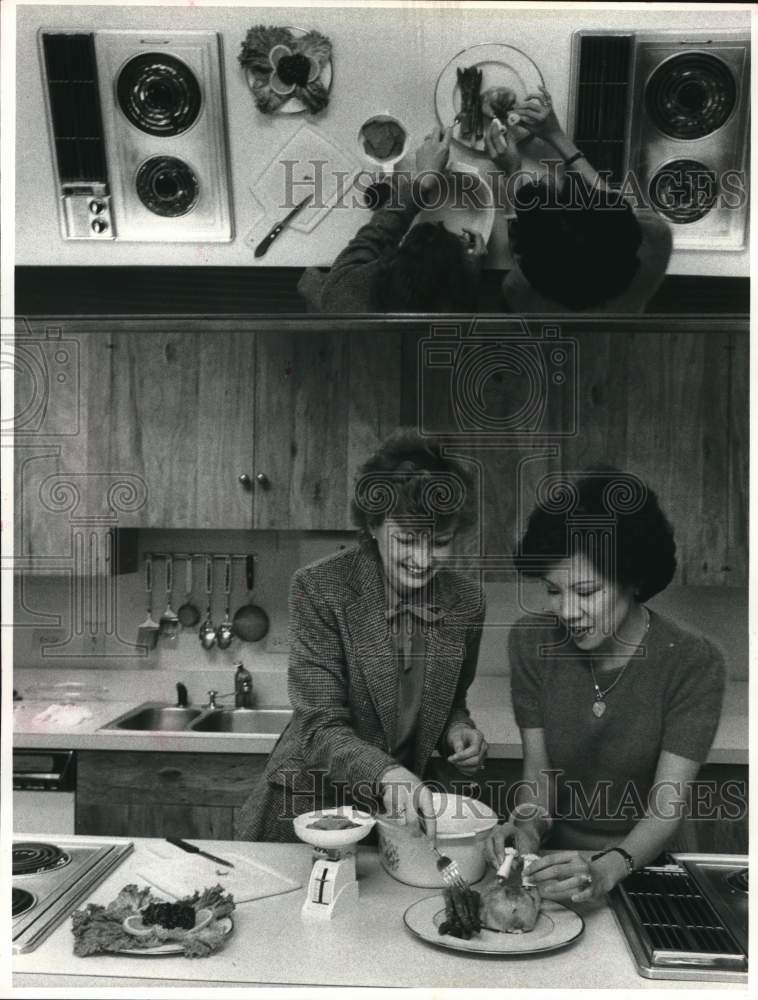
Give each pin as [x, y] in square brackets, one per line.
[333, 884]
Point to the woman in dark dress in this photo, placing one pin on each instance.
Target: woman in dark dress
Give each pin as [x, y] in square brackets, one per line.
[384, 640]
[617, 705]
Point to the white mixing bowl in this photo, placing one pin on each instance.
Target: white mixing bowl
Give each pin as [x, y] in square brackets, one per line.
[463, 825]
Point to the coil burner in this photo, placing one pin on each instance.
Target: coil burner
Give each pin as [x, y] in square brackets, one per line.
[691, 95]
[159, 94]
[21, 901]
[32, 858]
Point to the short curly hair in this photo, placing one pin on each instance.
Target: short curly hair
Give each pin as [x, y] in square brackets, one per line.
[644, 552]
[573, 251]
[408, 476]
[428, 273]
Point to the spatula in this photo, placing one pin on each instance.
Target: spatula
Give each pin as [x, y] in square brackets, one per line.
[147, 632]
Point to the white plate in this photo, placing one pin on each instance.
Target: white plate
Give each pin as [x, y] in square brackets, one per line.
[171, 947]
[501, 66]
[294, 105]
[469, 216]
[556, 927]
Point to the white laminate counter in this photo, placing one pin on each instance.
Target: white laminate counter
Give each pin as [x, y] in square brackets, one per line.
[272, 944]
[489, 703]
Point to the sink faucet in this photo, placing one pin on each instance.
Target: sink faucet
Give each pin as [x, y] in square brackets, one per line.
[212, 695]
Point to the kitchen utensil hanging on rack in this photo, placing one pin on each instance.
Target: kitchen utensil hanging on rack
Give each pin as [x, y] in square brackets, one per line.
[169, 622]
[207, 633]
[225, 633]
[250, 621]
[147, 632]
[188, 614]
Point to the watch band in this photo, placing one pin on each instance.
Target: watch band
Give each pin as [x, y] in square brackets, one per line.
[572, 159]
[619, 850]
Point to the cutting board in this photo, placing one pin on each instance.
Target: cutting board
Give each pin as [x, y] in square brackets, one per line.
[308, 163]
[183, 875]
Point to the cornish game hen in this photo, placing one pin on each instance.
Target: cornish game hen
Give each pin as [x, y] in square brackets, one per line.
[508, 905]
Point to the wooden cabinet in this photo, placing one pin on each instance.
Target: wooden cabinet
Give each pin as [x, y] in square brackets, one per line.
[158, 421]
[667, 401]
[153, 794]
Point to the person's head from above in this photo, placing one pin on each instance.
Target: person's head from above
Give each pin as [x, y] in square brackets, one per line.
[575, 246]
[410, 503]
[432, 270]
[601, 545]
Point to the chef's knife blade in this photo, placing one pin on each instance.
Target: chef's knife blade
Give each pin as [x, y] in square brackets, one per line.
[266, 242]
[196, 850]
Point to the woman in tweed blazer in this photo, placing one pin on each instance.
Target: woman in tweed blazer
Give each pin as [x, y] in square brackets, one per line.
[345, 685]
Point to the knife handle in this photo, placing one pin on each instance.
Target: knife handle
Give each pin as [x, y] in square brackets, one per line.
[266, 242]
[183, 845]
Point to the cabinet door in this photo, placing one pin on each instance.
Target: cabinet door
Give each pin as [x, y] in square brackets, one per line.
[323, 402]
[176, 410]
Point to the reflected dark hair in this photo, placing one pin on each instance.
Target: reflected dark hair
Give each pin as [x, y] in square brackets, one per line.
[428, 273]
[572, 250]
[644, 551]
[410, 476]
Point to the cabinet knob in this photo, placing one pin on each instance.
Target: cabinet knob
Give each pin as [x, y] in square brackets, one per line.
[246, 481]
[263, 480]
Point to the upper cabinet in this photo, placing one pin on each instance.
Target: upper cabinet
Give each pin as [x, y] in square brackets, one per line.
[204, 426]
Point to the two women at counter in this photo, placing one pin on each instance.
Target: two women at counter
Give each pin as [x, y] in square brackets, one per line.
[577, 245]
[617, 706]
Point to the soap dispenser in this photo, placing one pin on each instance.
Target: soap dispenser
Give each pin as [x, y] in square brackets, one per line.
[243, 687]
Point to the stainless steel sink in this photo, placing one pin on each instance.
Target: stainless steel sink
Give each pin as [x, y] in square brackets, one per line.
[155, 716]
[258, 721]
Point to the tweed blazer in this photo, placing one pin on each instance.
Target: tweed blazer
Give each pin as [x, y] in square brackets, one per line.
[343, 682]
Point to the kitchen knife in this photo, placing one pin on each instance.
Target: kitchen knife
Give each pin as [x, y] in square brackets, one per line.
[266, 242]
[196, 850]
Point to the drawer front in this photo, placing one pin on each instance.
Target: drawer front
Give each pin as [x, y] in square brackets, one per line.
[189, 779]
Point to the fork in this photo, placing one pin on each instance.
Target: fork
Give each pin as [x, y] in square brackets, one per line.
[449, 871]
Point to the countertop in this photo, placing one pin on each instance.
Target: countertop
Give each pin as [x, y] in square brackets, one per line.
[272, 944]
[488, 702]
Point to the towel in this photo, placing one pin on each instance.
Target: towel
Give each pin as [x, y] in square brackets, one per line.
[63, 715]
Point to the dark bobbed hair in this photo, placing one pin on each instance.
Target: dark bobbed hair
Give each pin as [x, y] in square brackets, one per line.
[645, 551]
[573, 250]
[428, 273]
[409, 476]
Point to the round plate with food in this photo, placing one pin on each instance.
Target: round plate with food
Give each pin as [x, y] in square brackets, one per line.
[556, 927]
[480, 83]
[281, 79]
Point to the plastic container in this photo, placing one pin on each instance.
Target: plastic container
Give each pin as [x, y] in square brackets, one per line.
[243, 687]
[463, 825]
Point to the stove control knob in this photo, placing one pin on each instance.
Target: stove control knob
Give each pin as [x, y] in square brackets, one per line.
[99, 225]
[96, 207]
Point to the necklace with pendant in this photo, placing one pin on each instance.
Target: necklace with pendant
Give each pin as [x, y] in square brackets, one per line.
[598, 705]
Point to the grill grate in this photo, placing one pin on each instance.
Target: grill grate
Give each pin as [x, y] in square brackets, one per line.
[674, 914]
[601, 101]
[75, 107]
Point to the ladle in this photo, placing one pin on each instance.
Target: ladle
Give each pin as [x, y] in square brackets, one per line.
[207, 632]
[188, 613]
[225, 633]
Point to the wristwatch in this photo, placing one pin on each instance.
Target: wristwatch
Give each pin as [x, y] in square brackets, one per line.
[619, 850]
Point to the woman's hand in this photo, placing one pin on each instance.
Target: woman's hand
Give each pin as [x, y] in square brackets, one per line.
[538, 117]
[469, 748]
[571, 875]
[408, 800]
[432, 156]
[474, 246]
[523, 838]
[502, 148]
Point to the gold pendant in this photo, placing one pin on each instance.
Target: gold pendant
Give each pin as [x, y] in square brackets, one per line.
[598, 707]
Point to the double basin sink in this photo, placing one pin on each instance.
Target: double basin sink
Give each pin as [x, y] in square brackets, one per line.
[156, 716]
